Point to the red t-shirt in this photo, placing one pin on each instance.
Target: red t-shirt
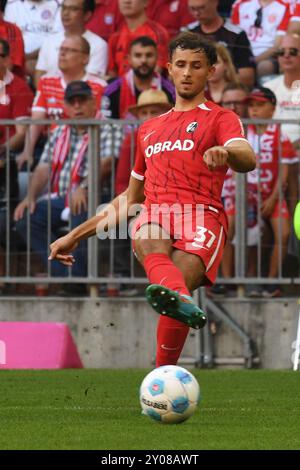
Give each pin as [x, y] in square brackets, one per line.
[49, 97]
[13, 35]
[124, 163]
[106, 19]
[172, 14]
[170, 155]
[266, 147]
[15, 102]
[119, 45]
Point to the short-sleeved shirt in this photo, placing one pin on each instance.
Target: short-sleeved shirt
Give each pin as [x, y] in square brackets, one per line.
[106, 19]
[48, 56]
[49, 97]
[275, 20]
[37, 20]
[267, 148]
[172, 14]
[119, 45]
[170, 153]
[234, 38]
[13, 35]
[15, 102]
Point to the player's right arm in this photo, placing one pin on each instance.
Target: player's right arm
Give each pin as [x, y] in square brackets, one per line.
[117, 210]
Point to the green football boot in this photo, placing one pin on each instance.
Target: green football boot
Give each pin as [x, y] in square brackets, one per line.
[181, 307]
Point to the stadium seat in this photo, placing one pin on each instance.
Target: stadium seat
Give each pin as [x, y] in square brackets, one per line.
[26, 345]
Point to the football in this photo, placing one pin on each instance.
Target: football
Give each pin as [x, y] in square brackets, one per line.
[169, 394]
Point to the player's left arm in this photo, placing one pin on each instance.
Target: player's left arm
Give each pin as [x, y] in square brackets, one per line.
[238, 155]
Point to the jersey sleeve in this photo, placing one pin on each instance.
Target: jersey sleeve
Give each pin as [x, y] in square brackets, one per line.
[229, 128]
[289, 155]
[139, 167]
[39, 102]
[283, 26]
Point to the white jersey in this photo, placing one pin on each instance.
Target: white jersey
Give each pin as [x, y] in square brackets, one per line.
[48, 56]
[288, 106]
[37, 20]
[274, 21]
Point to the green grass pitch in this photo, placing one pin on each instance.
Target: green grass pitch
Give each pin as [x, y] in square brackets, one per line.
[99, 409]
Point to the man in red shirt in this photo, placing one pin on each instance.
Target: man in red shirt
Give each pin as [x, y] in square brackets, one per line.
[181, 162]
[136, 24]
[172, 14]
[15, 103]
[13, 36]
[106, 18]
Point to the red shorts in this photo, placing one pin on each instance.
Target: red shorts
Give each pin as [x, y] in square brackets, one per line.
[200, 231]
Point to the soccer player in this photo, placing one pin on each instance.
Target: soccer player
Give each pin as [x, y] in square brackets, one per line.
[181, 162]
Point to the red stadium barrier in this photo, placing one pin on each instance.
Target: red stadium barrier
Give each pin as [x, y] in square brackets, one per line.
[26, 345]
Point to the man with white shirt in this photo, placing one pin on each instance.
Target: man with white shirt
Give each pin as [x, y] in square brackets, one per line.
[74, 15]
[265, 23]
[286, 87]
[38, 20]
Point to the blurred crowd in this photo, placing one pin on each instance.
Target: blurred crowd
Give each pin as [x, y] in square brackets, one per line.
[106, 59]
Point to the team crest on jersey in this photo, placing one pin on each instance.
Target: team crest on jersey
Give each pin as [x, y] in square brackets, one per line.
[192, 127]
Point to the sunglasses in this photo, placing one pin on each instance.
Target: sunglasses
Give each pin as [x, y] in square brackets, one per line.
[258, 20]
[292, 51]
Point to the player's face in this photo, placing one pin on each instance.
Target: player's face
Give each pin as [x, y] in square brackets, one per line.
[143, 60]
[260, 109]
[190, 71]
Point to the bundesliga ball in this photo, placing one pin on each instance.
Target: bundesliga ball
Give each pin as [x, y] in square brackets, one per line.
[169, 394]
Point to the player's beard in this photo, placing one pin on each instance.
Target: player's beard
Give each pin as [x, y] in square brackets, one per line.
[145, 74]
[187, 95]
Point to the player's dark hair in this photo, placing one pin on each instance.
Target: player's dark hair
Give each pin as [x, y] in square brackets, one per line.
[5, 47]
[89, 5]
[144, 41]
[193, 41]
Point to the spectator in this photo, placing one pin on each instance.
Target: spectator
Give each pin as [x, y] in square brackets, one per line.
[15, 103]
[224, 74]
[151, 103]
[38, 20]
[286, 89]
[124, 91]
[65, 157]
[13, 35]
[234, 98]
[173, 15]
[212, 26]
[265, 22]
[49, 100]
[136, 24]
[267, 142]
[106, 18]
[294, 26]
[74, 15]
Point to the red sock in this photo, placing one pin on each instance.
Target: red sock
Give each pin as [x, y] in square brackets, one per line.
[160, 269]
[171, 334]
